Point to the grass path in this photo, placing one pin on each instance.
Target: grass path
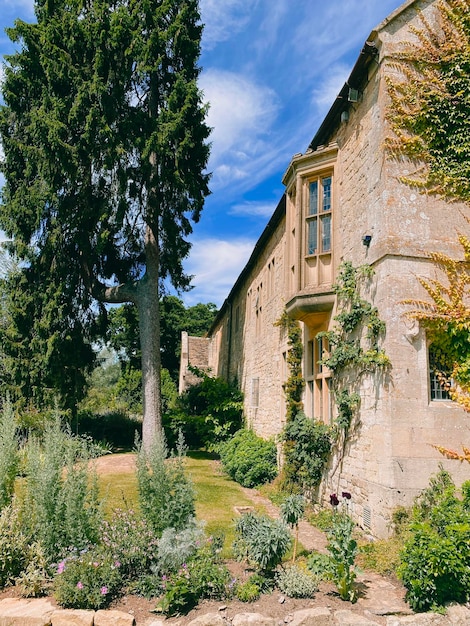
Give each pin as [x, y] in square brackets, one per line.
[216, 495]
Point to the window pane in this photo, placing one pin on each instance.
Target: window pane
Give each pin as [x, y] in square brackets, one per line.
[326, 184]
[326, 233]
[312, 239]
[313, 198]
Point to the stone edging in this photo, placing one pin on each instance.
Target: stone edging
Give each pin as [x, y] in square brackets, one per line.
[40, 612]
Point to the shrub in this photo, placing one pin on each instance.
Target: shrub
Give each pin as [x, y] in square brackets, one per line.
[307, 446]
[178, 546]
[60, 503]
[212, 411]
[8, 454]
[435, 561]
[296, 582]
[166, 493]
[129, 540]
[262, 541]
[248, 591]
[249, 459]
[203, 576]
[89, 580]
[34, 580]
[13, 545]
[343, 549]
[320, 565]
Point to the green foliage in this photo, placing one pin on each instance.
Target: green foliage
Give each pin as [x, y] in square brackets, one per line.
[343, 549]
[248, 591]
[249, 459]
[13, 545]
[429, 111]
[89, 580]
[347, 403]
[320, 565]
[292, 509]
[381, 556]
[60, 502]
[117, 429]
[8, 453]
[209, 412]
[33, 581]
[296, 581]
[307, 446]
[295, 384]
[435, 561]
[166, 493]
[202, 576]
[262, 541]
[128, 539]
[176, 547]
[357, 322]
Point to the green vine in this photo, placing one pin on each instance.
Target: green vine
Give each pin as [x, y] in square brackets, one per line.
[355, 316]
[354, 343]
[295, 383]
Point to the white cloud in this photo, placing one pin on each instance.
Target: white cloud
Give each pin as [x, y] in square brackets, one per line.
[224, 19]
[325, 91]
[242, 114]
[216, 264]
[253, 209]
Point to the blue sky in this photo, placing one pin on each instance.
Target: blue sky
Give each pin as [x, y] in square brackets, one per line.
[271, 70]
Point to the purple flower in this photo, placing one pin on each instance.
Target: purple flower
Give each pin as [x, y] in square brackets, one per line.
[79, 585]
[334, 499]
[104, 590]
[117, 564]
[61, 567]
[346, 494]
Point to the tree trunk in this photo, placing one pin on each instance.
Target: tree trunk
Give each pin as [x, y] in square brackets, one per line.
[149, 329]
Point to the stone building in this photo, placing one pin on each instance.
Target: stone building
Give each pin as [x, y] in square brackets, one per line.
[343, 202]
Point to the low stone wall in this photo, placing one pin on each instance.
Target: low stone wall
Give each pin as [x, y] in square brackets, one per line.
[40, 612]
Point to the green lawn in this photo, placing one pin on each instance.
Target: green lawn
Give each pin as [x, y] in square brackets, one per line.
[216, 495]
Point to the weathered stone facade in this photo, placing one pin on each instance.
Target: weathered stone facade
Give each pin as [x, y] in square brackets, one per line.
[343, 202]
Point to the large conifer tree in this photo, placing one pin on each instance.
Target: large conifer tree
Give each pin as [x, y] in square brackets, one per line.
[105, 144]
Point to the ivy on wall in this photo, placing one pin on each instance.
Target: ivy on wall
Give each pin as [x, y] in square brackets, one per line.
[354, 342]
[295, 383]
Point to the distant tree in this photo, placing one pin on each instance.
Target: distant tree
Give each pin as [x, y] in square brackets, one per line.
[123, 331]
[105, 150]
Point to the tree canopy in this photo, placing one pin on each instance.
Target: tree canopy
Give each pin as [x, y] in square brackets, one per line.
[105, 144]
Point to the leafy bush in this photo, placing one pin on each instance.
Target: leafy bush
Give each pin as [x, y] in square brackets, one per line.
[89, 580]
[13, 545]
[307, 446]
[129, 540]
[248, 591]
[33, 581]
[249, 459]
[60, 501]
[262, 541]
[178, 546]
[343, 549]
[320, 565]
[8, 454]
[209, 412]
[166, 493]
[296, 582]
[203, 576]
[435, 561]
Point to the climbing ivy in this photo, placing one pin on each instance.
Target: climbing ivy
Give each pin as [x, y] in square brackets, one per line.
[354, 342]
[295, 383]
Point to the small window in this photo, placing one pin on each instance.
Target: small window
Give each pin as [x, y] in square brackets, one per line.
[439, 375]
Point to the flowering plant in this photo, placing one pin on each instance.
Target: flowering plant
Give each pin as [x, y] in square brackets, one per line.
[88, 580]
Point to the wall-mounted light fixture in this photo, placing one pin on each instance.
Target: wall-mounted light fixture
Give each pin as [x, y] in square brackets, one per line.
[366, 239]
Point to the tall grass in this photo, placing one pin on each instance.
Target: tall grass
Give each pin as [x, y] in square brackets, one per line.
[8, 454]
